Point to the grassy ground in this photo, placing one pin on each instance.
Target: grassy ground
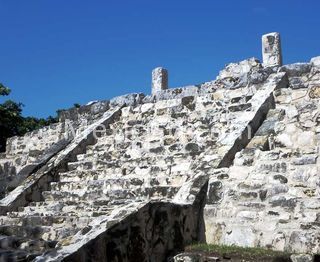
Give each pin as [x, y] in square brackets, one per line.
[234, 253]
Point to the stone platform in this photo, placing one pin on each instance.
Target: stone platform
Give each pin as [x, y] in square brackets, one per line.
[137, 178]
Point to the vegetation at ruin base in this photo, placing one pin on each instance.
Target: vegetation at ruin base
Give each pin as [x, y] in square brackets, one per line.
[236, 253]
[12, 123]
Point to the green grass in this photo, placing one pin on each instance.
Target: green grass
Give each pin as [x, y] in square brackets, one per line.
[244, 252]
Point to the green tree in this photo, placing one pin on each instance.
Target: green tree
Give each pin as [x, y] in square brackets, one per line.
[12, 123]
[4, 91]
[10, 117]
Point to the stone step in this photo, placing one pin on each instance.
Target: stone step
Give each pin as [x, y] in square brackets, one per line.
[89, 164]
[45, 216]
[17, 255]
[275, 166]
[154, 154]
[134, 174]
[133, 119]
[82, 209]
[99, 175]
[98, 194]
[106, 184]
[33, 246]
[150, 131]
[102, 146]
[145, 147]
[97, 152]
[13, 242]
[147, 136]
[46, 233]
[149, 176]
[30, 232]
[73, 196]
[58, 205]
[162, 191]
[240, 107]
[84, 176]
[240, 99]
[53, 220]
[152, 157]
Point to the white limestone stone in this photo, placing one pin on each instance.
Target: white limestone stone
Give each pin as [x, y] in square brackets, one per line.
[301, 258]
[241, 236]
[238, 69]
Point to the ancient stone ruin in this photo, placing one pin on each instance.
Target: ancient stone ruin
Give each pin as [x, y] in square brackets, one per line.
[232, 161]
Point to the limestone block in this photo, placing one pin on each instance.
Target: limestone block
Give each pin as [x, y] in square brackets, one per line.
[187, 257]
[271, 50]
[297, 69]
[279, 241]
[260, 142]
[312, 203]
[126, 111]
[238, 69]
[249, 215]
[147, 107]
[303, 241]
[128, 99]
[241, 236]
[301, 258]
[291, 111]
[277, 189]
[237, 75]
[305, 160]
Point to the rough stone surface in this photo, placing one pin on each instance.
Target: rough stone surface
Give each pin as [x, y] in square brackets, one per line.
[26, 154]
[242, 74]
[268, 196]
[302, 258]
[89, 112]
[271, 49]
[159, 80]
[315, 61]
[128, 100]
[297, 69]
[187, 257]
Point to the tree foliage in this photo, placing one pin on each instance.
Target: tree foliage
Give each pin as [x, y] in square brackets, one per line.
[4, 91]
[12, 123]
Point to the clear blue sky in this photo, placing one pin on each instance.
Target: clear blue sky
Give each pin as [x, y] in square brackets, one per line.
[58, 52]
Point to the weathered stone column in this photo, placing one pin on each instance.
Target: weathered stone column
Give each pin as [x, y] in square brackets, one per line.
[271, 49]
[159, 80]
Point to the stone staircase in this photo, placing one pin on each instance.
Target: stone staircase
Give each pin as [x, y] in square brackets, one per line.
[131, 185]
[24, 154]
[147, 154]
[233, 161]
[270, 196]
